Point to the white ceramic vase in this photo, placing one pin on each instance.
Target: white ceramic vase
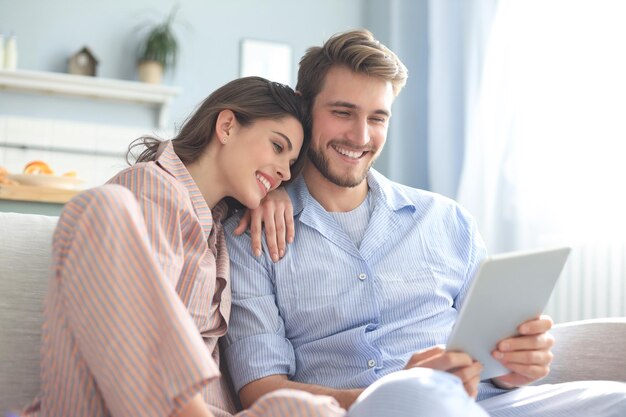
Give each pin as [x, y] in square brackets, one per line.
[150, 72]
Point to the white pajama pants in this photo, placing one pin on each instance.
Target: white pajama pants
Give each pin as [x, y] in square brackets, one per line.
[423, 392]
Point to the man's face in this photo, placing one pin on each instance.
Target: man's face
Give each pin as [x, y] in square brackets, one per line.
[350, 121]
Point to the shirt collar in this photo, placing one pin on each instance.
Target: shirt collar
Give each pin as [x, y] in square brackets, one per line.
[170, 162]
[383, 191]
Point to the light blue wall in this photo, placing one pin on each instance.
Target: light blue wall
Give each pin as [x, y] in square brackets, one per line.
[448, 21]
[403, 26]
[50, 31]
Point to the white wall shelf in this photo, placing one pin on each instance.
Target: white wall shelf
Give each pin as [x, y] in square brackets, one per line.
[91, 87]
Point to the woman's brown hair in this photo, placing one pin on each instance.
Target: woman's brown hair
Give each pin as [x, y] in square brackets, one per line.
[250, 99]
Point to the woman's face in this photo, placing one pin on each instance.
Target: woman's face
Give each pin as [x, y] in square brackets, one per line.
[258, 157]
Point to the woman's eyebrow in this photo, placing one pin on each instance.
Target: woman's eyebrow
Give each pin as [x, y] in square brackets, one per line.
[289, 145]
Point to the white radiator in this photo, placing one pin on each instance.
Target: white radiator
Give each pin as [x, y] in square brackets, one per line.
[592, 285]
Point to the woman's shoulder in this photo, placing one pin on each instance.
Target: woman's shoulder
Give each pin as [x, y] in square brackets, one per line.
[146, 179]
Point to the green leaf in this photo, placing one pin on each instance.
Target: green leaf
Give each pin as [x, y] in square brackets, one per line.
[161, 44]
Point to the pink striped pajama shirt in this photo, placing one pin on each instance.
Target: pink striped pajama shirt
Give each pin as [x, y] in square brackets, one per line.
[137, 300]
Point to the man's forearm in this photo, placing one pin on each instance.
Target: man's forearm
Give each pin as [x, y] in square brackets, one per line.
[256, 389]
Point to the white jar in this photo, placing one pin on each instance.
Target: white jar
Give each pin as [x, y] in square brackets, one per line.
[10, 53]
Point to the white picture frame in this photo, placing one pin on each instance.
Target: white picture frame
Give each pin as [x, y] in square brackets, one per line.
[271, 60]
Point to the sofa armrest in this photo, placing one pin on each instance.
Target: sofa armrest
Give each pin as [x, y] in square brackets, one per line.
[589, 350]
[25, 247]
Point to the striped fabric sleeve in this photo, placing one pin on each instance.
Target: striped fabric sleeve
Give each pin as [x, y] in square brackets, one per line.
[476, 252]
[165, 213]
[294, 403]
[256, 345]
[129, 324]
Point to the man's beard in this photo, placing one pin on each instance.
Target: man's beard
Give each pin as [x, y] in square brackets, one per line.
[323, 166]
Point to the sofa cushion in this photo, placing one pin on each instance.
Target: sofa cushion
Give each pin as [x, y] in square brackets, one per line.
[25, 246]
[589, 350]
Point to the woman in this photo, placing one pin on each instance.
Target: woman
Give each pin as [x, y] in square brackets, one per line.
[139, 290]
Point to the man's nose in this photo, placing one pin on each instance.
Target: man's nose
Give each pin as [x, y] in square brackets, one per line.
[360, 132]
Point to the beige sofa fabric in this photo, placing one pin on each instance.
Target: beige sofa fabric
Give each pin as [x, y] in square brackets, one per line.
[585, 350]
[25, 243]
[589, 350]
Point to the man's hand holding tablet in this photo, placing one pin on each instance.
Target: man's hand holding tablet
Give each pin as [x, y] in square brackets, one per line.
[500, 325]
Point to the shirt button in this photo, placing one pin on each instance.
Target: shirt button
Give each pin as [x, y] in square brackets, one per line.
[362, 276]
[371, 363]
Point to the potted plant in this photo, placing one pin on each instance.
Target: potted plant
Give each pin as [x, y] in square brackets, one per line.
[158, 52]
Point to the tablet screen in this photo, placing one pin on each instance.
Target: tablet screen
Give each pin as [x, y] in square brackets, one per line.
[508, 290]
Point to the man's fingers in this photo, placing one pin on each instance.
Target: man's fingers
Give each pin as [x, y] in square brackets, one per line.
[447, 361]
[523, 374]
[422, 355]
[468, 373]
[471, 386]
[470, 376]
[529, 372]
[457, 363]
[543, 341]
[536, 326]
[525, 357]
[525, 366]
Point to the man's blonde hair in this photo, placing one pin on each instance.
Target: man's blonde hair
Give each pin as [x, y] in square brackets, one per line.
[356, 50]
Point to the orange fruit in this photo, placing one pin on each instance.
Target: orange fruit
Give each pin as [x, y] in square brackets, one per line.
[38, 167]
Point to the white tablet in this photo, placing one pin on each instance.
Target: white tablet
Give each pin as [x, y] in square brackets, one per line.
[508, 290]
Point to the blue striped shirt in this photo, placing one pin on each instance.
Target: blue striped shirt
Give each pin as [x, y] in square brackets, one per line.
[338, 315]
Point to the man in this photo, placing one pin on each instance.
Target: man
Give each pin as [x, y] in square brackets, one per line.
[377, 272]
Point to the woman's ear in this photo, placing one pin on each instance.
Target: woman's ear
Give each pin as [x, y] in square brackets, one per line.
[224, 125]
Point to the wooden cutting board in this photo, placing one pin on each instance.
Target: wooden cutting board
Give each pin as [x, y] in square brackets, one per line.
[37, 194]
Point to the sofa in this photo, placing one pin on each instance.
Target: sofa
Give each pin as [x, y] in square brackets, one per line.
[590, 349]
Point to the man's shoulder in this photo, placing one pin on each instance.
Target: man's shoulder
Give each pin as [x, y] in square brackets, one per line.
[393, 188]
[423, 201]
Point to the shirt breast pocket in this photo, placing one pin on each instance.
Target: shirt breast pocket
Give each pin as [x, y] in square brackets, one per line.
[407, 283]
